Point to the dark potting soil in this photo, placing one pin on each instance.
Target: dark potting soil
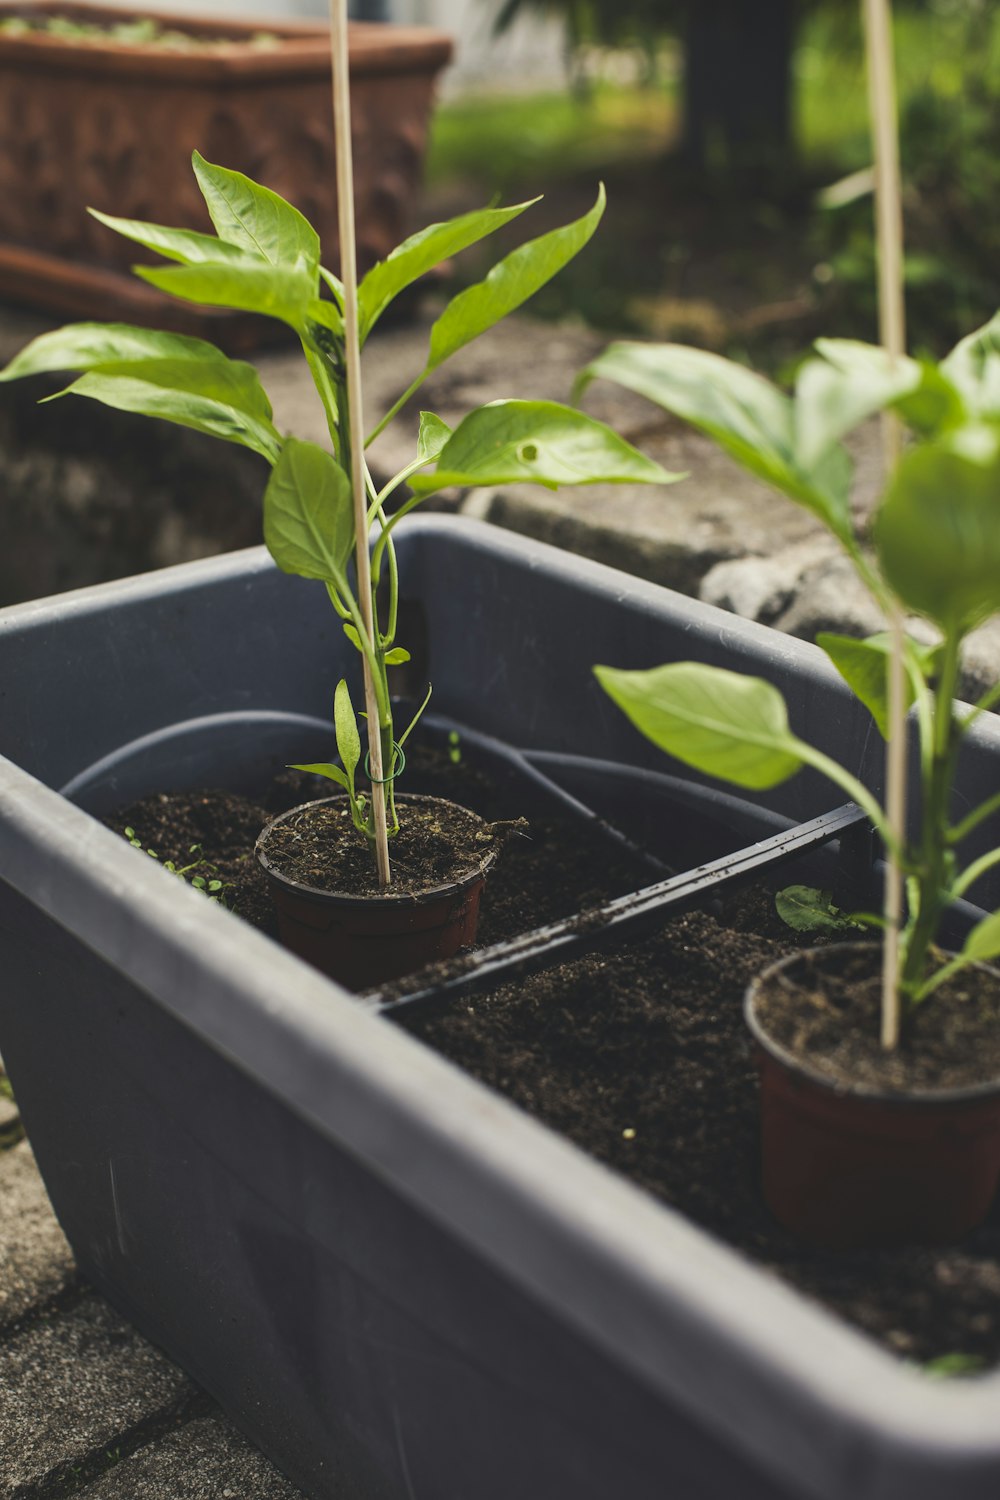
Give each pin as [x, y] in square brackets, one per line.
[825, 1011]
[549, 870]
[438, 843]
[565, 1044]
[683, 1122]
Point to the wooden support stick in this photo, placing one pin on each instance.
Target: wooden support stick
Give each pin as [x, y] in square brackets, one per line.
[892, 330]
[352, 350]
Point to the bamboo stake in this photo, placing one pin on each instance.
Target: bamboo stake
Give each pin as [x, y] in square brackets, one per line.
[892, 330]
[352, 350]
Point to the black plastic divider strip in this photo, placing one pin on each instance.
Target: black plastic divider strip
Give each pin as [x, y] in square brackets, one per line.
[627, 915]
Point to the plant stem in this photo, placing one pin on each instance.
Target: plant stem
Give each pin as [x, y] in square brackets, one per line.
[974, 818]
[351, 427]
[970, 875]
[385, 540]
[853, 787]
[987, 701]
[397, 406]
[931, 876]
[889, 236]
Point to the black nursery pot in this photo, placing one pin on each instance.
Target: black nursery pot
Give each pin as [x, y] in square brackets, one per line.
[846, 1169]
[365, 940]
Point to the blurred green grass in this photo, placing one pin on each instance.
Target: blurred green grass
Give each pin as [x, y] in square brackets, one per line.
[755, 266]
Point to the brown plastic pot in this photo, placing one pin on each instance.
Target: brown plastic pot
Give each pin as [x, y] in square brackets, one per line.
[365, 940]
[850, 1168]
[112, 126]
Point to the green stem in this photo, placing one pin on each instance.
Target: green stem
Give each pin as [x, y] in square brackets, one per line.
[985, 703]
[342, 610]
[395, 482]
[397, 407]
[941, 977]
[924, 704]
[372, 655]
[931, 881]
[404, 510]
[328, 393]
[852, 786]
[390, 624]
[974, 818]
[971, 874]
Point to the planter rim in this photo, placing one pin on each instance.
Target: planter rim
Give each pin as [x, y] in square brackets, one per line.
[916, 1098]
[397, 900]
[296, 1033]
[304, 47]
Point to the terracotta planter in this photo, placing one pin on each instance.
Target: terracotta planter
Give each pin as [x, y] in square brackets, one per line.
[113, 127]
[864, 1168]
[365, 940]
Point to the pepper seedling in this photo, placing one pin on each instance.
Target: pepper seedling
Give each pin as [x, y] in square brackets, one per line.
[265, 258]
[935, 553]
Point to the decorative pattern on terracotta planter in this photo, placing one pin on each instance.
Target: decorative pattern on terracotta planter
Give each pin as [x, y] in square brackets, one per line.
[107, 126]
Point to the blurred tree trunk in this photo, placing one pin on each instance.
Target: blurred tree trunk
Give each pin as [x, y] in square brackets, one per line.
[738, 81]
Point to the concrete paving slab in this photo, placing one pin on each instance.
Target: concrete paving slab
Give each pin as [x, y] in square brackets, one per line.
[203, 1460]
[36, 1263]
[73, 1384]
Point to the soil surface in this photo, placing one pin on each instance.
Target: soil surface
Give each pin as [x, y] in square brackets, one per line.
[549, 868]
[565, 1044]
[438, 843]
[684, 1125]
[825, 1011]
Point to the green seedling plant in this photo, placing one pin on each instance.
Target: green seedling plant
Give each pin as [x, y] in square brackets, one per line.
[200, 874]
[141, 32]
[933, 549]
[265, 257]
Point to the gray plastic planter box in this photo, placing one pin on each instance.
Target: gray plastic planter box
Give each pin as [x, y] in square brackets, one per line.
[394, 1281]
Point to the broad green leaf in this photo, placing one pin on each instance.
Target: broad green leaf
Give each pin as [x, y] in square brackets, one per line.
[973, 366]
[185, 245]
[852, 381]
[335, 284]
[188, 408]
[830, 402]
[85, 346]
[537, 442]
[285, 292]
[321, 310]
[421, 253]
[723, 723]
[746, 415]
[397, 656]
[352, 635]
[254, 218]
[345, 724]
[937, 533]
[983, 942]
[325, 768]
[232, 382]
[805, 908]
[509, 285]
[432, 436]
[864, 666]
[308, 513]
